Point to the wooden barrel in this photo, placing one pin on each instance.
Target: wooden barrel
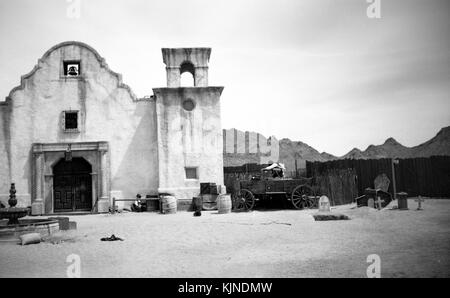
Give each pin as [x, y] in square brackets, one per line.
[169, 204]
[224, 204]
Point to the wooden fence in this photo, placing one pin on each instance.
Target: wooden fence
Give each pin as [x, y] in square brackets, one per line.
[339, 185]
[416, 176]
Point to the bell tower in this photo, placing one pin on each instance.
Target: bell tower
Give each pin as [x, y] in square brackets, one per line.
[193, 60]
[189, 130]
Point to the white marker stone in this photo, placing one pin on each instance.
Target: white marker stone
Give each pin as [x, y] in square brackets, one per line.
[324, 204]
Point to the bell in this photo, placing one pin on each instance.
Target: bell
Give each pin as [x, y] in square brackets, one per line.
[72, 71]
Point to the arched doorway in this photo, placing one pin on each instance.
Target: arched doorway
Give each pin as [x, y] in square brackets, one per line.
[72, 185]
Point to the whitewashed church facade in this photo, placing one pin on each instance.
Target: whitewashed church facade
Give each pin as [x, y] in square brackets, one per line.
[73, 135]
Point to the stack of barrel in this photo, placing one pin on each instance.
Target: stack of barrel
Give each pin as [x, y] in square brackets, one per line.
[213, 200]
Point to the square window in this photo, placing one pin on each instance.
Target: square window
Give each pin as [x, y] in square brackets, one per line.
[70, 121]
[191, 173]
[72, 68]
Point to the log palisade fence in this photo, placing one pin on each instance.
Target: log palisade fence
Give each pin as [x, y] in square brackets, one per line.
[345, 179]
[417, 176]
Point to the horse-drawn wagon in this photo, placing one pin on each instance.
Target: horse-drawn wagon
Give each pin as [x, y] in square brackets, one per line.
[246, 193]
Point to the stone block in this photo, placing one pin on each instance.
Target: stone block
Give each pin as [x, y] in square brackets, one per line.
[72, 225]
[63, 222]
[37, 208]
[103, 206]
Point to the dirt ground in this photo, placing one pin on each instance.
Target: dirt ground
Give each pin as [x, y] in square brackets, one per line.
[280, 243]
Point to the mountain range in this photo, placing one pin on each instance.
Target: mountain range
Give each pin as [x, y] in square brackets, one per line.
[292, 152]
[438, 145]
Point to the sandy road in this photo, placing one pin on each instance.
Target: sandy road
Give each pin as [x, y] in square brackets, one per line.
[281, 243]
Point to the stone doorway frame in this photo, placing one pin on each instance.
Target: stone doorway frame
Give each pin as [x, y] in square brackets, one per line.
[46, 155]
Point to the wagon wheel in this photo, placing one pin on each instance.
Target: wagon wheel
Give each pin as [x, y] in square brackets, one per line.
[303, 197]
[244, 201]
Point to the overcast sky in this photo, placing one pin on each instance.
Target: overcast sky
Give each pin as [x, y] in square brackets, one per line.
[317, 71]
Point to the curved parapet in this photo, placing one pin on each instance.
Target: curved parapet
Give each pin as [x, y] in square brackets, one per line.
[42, 62]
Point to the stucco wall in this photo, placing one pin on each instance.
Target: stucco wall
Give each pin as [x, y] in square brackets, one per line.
[4, 163]
[109, 112]
[248, 147]
[189, 139]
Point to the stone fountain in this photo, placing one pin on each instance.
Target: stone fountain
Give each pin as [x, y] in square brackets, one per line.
[14, 228]
[13, 213]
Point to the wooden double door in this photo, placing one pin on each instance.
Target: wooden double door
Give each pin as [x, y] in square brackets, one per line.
[72, 185]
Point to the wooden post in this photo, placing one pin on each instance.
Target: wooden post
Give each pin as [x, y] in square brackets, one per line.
[296, 171]
[113, 205]
[394, 187]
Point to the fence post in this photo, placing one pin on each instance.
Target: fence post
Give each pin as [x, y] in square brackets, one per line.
[394, 187]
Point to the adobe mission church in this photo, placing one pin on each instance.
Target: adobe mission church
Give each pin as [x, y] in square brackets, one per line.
[73, 135]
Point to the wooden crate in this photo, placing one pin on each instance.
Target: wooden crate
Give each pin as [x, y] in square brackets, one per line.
[153, 204]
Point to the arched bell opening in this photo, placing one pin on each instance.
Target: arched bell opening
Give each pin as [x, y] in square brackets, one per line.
[187, 74]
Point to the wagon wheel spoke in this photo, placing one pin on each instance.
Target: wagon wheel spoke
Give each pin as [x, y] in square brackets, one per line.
[296, 200]
[249, 204]
[309, 201]
[300, 197]
[247, 198]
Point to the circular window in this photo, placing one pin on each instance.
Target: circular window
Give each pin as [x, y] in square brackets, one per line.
[188, 105]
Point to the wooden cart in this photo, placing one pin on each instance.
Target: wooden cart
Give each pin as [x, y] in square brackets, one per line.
[246, 193]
